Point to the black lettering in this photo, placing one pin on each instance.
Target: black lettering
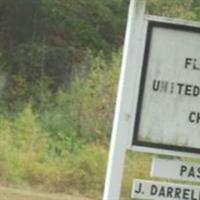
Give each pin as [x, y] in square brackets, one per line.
[196, 91]
[188, 61]
[194, 65]
[198, 172]
[198, 117]
[139, 189]
[199, 196]
[164, 86]
[188, 90]
[154, 190]
[186, 193]
[162, 192]
[180, 86]
[170, 192]
[192, 196]
[183, 169]
[191, 172]
[156, 85]
[192, 117]
[177, 193]
[172, 88]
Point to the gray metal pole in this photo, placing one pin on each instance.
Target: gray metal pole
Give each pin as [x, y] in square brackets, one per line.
[120, 133]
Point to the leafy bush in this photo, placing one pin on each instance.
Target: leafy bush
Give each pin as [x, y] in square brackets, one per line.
[20, 138]
[84, 112]
[25, 157]
[62, 147]
[185, 9]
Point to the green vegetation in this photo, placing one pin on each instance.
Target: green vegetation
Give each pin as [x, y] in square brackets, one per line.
[63, 148]
[59, 63]
[44, 44]
[16, 194]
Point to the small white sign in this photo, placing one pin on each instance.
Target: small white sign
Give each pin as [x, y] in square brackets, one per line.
[173, 169]
[143, 189]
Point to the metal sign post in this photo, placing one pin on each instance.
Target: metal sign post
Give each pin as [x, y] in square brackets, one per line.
[134, 43]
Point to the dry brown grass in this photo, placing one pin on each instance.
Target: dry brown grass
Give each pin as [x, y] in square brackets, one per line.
[14, 194]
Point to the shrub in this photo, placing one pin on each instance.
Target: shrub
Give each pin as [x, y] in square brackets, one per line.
[84, 112]
[61, 147]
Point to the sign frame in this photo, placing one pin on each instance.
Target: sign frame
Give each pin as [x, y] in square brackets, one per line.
[165, 24]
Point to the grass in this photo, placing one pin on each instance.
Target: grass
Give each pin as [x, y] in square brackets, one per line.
[14, 194]
[137, 166]
[62, 148]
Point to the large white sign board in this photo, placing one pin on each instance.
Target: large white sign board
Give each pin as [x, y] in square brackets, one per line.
[168, 112]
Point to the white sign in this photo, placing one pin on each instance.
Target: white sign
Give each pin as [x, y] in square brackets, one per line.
[143, 189]
[172, 169]
[168, 113]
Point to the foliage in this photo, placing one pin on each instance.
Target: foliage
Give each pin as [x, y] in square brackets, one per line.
[25, 159]
[19, 138]
[95, 23]
[62, 147]
[85, 111]
[44, 42]
[185, 9]
[59, 64]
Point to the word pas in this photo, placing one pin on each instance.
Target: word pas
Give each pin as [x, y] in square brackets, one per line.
[175, 169]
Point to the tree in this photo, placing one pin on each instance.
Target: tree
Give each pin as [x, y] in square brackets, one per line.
[42, 42]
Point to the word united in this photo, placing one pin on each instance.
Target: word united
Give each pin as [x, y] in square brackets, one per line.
[182, 89]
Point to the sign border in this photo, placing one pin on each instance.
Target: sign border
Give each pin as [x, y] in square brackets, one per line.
[135, 140]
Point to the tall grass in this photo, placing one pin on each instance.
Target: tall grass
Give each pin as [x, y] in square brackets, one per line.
[85, 111]
[63, 147]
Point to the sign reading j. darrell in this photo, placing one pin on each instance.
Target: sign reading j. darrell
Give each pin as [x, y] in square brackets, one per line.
[164, 191]
[168, 112]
